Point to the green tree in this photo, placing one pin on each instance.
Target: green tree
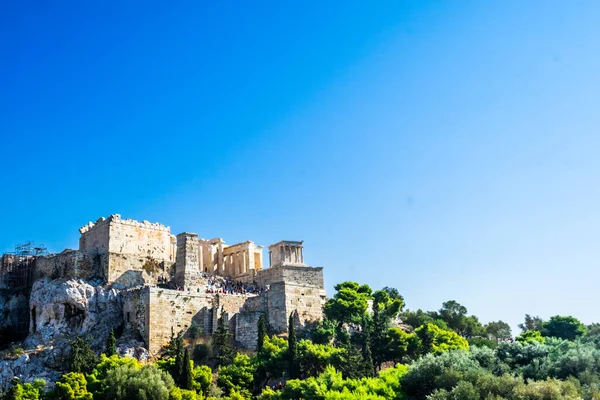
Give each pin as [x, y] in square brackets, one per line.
[562, 327]
[349, 303]
[262, 332]
[111, 344]
[187, 377]
[72, 386]
[223, 342]
[454, 314]
[96, 381]
[530, 336]
[324, 331]
[471, 328]
[385, 308]
[170, 349]
[314, 358]
[368, 368]
[531, 324]
[399, 344]
[27, 391]
[82, 357]
[202, 378]
[420, 317]
[237, 377]
[178, 369]
[293, 367]
[498, 330]
[201, 353]
[148, 383]
[274, 356]
[435, 340]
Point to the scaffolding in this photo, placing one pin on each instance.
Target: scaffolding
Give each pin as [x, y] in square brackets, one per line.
[17, 267]
[16, 274]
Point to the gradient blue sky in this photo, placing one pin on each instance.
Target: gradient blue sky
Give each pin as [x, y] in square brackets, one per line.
[449, 149]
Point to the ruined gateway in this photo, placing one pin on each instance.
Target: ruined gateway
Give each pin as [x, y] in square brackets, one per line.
[137, 278]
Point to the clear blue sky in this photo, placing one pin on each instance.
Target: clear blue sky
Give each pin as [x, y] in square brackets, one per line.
[449, 149]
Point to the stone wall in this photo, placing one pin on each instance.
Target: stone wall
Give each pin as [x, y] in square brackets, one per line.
[246, 329]
[306, 276]
[175, 309]
[140, 238]
[136, 312]
[187, 266]
[293, 288]
[132, 247]
[94, 236]
[131, 270]
[71, 264]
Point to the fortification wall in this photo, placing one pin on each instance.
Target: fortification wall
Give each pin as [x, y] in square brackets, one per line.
[175, 309]
[131, 270]
[305, 276]
[94, 236]
[306, 301]
[71, 264]
[141, 238]
[136, 312]
[127, 236]
[246, 329]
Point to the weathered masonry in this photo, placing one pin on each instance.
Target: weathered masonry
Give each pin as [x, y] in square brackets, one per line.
[168, 282]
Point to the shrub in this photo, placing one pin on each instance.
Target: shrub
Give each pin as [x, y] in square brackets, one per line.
[439, 371]
[201, 353]
[148, 383]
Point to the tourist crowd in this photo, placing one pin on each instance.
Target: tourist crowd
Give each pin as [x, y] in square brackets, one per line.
[217, 284]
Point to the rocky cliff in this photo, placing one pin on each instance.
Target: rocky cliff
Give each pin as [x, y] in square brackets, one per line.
[61, 310]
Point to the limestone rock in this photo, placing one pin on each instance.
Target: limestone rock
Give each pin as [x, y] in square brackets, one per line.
[64, 309]
[134, 349]
[27, 368]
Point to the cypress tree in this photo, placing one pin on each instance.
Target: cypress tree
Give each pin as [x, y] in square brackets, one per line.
[82, 359]
[369, 370]
[223, 342]
[292, 349]
[381, 322]
[262, 332]
[111, 344]
[178, 372]
[187, 378]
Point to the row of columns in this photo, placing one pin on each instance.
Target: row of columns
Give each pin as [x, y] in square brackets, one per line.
[237, 263]
[296, 252]
[287, 254]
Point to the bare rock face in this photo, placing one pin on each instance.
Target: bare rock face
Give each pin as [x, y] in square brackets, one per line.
[60, 311]
[27, 368]
[64, 309]
[133, 348]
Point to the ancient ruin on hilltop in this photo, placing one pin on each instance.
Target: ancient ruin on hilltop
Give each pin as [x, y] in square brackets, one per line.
[166, 282]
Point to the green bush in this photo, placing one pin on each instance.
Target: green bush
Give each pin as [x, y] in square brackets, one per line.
[148, 383]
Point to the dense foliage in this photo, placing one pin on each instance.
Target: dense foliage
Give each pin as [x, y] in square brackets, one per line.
[367, 347]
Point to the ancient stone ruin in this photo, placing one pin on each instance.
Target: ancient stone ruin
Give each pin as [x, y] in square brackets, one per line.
[139, 279]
